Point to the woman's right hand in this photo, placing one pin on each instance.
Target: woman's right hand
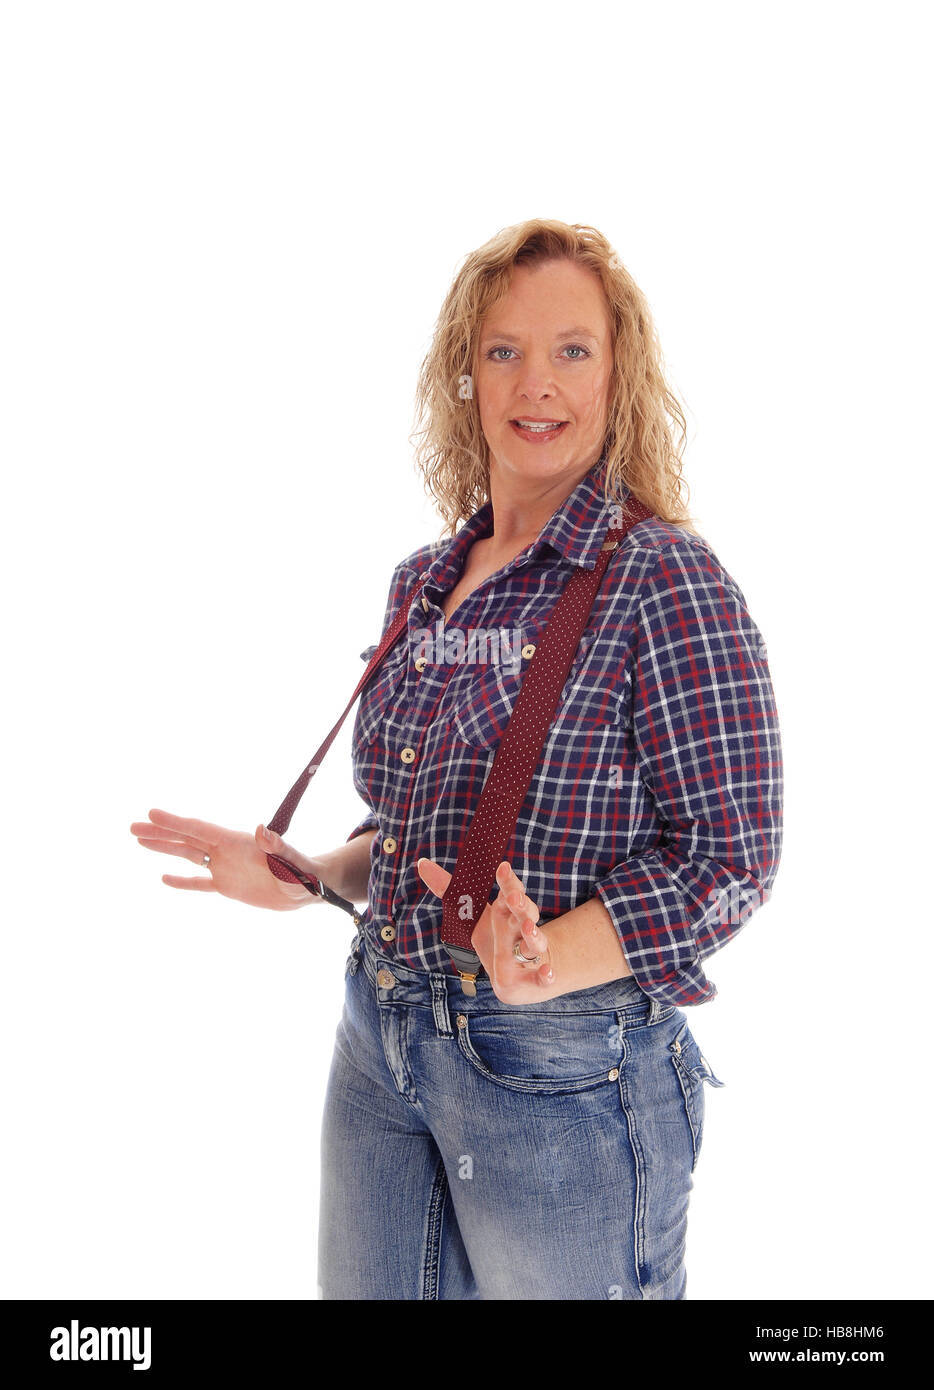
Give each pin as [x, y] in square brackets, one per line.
[238, 867]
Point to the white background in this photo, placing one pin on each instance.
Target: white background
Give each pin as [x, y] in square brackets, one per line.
[228, 230]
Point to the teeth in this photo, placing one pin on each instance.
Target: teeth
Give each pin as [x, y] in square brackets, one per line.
[539, 425]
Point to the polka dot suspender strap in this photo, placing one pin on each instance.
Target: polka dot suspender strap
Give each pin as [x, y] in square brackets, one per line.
[494, 820]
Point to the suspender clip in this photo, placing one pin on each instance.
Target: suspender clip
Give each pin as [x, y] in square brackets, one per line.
[468, 966]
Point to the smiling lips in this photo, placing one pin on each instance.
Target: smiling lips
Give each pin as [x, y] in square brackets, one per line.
[526, 427]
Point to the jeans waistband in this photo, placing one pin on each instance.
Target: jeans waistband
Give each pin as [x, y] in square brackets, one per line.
[404, 984]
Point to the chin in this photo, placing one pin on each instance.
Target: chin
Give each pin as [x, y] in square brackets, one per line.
[538, 460]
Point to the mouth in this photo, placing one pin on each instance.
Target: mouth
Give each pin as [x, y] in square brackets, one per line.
[539, 431]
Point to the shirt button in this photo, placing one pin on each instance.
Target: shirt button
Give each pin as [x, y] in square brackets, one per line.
[420, 663]
[389, 845]
[407, 755]
[388, 933]
[462, 1020]
[528, 650]
[424, 603]
[385, 978]
[612, 1075]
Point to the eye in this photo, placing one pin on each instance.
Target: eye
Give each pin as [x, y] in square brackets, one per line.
[579, 353]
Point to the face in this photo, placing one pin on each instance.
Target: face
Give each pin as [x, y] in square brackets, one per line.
[545, 356]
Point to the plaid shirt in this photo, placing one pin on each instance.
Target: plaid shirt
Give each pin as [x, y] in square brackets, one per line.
[659, 787]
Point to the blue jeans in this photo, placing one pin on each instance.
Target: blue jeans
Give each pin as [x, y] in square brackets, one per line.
[475, 1149]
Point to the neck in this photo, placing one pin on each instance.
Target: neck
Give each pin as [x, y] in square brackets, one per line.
[522, 506]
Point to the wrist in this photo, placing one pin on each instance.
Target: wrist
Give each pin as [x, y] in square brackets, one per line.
[329, 871]
[346, 870]
[557, 955]
[584, 948]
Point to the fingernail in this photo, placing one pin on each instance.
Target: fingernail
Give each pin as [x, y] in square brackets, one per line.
[266, 835]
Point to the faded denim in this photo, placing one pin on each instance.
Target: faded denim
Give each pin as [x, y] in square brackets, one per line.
[475, 1149]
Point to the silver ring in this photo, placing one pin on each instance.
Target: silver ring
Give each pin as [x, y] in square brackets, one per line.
[528, 960]
[205, 859]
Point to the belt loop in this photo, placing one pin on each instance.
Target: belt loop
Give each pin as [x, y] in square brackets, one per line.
[655, 1009]
[439, 1005]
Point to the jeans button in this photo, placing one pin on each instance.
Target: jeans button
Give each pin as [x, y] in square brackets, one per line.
[385, 978]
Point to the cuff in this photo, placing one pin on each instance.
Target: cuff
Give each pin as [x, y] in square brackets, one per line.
[663, 967]
[370, 823]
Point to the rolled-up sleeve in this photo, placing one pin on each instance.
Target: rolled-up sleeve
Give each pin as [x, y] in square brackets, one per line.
[369, 823]
[707, 747]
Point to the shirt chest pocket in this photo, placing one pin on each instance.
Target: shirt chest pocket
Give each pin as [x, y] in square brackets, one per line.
[486, 695]
[381, 697]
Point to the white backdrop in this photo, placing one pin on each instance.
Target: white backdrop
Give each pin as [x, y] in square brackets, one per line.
[228, 232]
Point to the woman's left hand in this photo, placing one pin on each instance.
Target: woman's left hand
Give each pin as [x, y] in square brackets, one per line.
[502, 923]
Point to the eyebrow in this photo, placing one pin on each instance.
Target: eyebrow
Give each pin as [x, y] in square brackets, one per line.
[564, 333]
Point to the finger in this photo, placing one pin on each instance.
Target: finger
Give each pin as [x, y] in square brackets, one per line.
[189, 852]
[517, 953]
[534, 943]
[517, 908]
[434, 876]
[198, 829]
[525, 962]
[144, 830]
[201, 885]
[512, 890]
[278, 847]
[535, 938]
[508, 922]
[507, 878]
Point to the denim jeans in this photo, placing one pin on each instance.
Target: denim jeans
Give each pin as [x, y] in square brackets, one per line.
[475, 1149]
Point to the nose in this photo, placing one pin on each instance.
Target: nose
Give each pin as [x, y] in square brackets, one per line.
[535, 381]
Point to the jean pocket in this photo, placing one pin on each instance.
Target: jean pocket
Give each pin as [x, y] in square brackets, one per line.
[693, 1072]
[548, 1053]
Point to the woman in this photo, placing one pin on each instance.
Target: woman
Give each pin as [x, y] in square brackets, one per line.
[536, 1138]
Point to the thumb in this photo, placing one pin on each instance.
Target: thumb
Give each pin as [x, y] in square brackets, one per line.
[433, 876]
[268, 840]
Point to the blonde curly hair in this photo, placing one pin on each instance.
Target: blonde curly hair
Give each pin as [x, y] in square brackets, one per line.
[452, 453]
